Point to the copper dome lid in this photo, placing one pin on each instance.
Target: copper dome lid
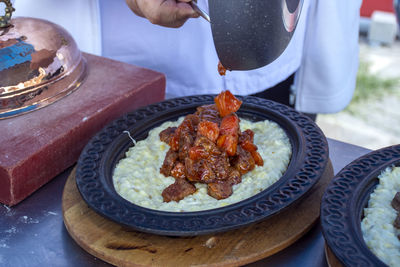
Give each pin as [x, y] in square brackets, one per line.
[39, 64]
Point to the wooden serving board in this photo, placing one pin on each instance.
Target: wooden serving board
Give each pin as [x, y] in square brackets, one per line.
[331, 258]
[121, 246]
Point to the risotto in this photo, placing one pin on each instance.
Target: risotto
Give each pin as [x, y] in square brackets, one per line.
[377, 226]
[137, 177]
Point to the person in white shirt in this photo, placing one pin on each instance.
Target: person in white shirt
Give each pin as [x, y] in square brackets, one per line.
[319, 65]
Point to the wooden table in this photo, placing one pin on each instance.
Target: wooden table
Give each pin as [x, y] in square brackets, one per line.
[32, 233]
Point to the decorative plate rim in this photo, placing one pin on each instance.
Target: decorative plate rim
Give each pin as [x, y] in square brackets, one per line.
[303, 171]
[343, 202]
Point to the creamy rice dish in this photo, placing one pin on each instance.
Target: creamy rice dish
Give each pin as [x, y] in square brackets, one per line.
[377, 226]
[137, 177]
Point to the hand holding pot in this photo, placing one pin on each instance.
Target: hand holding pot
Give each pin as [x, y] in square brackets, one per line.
[168, 13]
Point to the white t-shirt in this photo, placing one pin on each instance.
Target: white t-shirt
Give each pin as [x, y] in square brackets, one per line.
[323, 51]
[187, 55]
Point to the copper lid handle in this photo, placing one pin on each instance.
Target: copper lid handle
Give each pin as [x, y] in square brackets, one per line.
[4, 20]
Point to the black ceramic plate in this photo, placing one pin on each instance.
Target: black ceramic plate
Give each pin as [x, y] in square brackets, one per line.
[99, 157]
[344, 201]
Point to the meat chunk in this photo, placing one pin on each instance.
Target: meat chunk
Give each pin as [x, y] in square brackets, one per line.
[234, 176]
[243, 162]
[189, 124]
[257, 158]
[219, 190]
[209, 113]
[194, 120]
[246, 135]
[205, 171]
[203, 148]
[229, 134]
[396, 205]
[208, 129]
[185, 143]
[178, 171]
[187, 128]
[220, 165]
[205, 156]
[209, 147]
[166, 135]
[178, 190]
[246, 140]
[199, 171]
[190, 170]
[227, 103]
[396, 222]
[396, 202]
[169, 162]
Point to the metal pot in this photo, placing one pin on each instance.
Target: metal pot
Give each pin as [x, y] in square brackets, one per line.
[250, 34]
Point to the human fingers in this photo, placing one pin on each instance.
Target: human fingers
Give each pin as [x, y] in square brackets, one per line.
[134, 7]
[168, 13]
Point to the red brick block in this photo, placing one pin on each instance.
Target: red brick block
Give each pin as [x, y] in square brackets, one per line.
[37, 146]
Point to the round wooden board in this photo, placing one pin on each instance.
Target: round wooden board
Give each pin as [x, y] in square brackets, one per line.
[121, 246]
[331, 258]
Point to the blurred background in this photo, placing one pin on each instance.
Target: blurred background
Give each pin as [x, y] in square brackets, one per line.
[372, 119]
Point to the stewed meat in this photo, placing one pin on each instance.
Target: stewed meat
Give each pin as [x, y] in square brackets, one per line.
[208, 129]
[199, 171]
[205, 171]
[218, 160]
[396, 205]
[227, 103]
[208, 113]
[247, 135]
[234, 176]
[246, 142]
[185, 143]
[208, 147]
[396, 202]
[169, 162]
[167, 134]
[397, 221]
[178, 190]
[257, 158]
[178, 171]
[220, 165]
[219, 190]
[243, 161]
[186, 128]
[229, 134]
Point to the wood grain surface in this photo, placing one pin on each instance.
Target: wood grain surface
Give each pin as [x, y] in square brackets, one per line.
[331, 258]
[121, 246]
